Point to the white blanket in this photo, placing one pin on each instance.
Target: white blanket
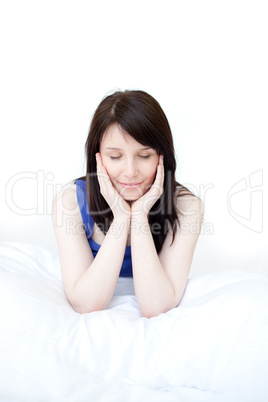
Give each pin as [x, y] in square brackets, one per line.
[212, 347]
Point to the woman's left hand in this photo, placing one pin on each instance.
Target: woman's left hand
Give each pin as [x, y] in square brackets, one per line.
[145, 203]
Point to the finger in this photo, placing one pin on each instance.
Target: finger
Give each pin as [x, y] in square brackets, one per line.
[162, 173]
[100, 165]
[102, 177]
[161, 163]
[158, 185]
[161, 160]
[98, 162]
[105, 183]
[159, 179]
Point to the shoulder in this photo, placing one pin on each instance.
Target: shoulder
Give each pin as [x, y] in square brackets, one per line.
[65, 204]
[66, 196]
[190, 210]
[188, 202]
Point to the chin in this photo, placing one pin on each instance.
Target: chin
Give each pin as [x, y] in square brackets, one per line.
[131, 195]
[131, 198]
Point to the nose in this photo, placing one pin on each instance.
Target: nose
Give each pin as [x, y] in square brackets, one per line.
[130, 169]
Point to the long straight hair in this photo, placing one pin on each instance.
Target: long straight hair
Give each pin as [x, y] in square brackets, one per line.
[138, 114]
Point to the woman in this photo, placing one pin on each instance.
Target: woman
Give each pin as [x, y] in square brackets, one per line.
[128, 216]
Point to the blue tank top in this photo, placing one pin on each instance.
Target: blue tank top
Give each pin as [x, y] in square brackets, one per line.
[88, 224]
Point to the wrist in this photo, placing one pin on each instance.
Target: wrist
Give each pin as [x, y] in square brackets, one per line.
[139, 224]
[140, 217]
[119, 228]
[122, 213]
[120, 219]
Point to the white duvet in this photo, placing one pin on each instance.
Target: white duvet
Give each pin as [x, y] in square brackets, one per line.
[212, 347]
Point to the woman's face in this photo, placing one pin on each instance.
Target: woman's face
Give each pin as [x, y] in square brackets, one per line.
[131, 166]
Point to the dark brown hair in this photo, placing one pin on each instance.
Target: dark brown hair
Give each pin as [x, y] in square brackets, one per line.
[141, 116]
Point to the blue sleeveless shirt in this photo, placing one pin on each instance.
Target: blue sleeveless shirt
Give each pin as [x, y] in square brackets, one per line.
[88, 224]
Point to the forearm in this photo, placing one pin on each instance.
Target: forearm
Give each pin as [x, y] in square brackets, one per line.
[154, 291]
[94, 289]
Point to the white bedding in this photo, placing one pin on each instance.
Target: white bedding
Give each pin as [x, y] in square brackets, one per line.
[213, 347]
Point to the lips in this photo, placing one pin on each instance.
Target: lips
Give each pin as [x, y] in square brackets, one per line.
[130, 185]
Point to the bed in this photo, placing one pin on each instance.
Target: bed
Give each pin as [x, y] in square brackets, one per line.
[212, 347]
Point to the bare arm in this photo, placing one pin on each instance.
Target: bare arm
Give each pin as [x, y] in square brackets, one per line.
[89, 283]
[160, 280]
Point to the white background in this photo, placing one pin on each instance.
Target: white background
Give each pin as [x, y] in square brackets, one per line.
[204, 61]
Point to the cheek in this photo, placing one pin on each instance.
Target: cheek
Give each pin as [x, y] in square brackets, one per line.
[112, 168]
[151, 172]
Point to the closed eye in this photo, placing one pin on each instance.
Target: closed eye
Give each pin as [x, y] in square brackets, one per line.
[115, 157]
[140, 156]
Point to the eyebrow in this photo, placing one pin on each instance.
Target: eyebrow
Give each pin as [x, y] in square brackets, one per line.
[119, 149]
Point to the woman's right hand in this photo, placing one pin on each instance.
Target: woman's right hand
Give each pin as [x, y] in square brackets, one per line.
[120, 208]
